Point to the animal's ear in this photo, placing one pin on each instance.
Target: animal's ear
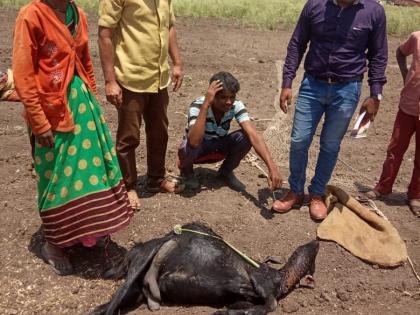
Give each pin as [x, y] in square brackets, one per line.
[307, 282]
[273, 260]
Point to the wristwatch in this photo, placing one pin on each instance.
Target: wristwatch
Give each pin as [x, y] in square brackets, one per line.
[377, 97]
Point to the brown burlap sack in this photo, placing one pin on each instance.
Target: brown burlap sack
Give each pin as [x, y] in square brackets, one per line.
[361, 231]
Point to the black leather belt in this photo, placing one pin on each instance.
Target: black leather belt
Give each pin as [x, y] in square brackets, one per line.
[330, 80]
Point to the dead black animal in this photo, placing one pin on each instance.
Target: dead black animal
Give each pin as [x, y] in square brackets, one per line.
[194, 269]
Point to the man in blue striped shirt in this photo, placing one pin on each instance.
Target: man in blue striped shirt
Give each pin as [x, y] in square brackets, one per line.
[208, 139]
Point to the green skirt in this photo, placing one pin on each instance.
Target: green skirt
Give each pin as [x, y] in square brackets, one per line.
[81, 195]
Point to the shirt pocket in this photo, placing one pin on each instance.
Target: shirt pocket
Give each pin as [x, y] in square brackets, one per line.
[357, 37]
[164, 18]
[52, 104]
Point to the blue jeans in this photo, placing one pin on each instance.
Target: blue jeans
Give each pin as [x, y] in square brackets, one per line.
[338, 102]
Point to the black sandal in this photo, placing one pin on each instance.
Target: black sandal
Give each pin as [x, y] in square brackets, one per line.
[60, 264]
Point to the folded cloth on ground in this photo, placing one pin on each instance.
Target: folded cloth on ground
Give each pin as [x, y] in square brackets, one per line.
[361, 231]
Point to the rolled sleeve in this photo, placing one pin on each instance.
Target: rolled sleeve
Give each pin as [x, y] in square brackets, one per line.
[110, 12]
[193, 112]
[241, 114]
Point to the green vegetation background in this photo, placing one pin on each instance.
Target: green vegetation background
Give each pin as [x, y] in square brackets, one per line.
[269, 14]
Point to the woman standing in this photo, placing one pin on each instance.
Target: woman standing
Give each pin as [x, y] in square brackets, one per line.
[81, 196]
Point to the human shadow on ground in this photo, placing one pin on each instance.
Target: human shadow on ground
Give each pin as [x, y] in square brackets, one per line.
[89, 263]
[206, 177]
[209, 181]
[393, 199]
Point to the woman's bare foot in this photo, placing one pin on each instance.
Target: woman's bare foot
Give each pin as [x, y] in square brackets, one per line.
[134, 200]
[57, 258]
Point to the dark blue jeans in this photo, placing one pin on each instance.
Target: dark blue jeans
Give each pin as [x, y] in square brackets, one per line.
[338, 102]
[234, 146]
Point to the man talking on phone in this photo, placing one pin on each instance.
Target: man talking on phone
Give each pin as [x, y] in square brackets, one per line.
[345, 37]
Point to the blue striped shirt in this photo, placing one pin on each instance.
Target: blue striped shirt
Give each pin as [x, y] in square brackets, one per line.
[214, 130]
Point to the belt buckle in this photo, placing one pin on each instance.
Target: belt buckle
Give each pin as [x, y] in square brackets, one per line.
[329, 80]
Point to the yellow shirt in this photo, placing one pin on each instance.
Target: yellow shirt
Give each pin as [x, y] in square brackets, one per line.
[141, 41]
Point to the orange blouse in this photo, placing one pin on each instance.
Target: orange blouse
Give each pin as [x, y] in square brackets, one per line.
[45, 59]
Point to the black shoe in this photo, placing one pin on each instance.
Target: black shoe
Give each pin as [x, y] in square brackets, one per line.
[190, 181]
[231, 181]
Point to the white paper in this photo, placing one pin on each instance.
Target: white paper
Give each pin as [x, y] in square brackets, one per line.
[360, 131]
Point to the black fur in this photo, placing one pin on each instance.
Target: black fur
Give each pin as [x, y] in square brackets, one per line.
[192, 269]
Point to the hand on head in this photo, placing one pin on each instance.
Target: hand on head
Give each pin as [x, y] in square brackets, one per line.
[214, 87]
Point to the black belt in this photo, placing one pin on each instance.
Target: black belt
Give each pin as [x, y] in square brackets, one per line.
[330, 80]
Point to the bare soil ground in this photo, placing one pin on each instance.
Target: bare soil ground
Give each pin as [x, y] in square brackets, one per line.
[345, 284]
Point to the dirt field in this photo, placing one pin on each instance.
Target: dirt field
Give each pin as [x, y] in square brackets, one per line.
[344, 284]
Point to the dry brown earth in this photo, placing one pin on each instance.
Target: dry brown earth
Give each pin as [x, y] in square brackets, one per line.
[345, 285]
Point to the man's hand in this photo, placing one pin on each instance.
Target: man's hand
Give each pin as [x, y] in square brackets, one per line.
[285, 99]
[274, 178]
[214, 87]
[371, 106]
[113, 93]
[177, 77]
[46, 139]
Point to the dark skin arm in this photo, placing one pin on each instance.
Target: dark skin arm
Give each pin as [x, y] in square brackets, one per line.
[196, 132]
[274, 177]
[177, 72]
[371, 106]
[285, 99]
[45, 139]
[113, 91]
[402, 64]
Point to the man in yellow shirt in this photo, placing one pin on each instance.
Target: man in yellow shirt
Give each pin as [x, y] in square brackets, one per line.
[135, 37]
